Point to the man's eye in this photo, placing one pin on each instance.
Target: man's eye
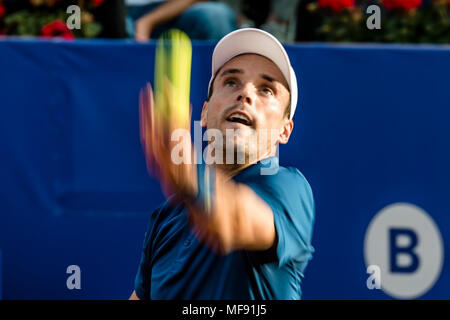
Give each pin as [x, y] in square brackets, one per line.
[230, 83]
[267, 91]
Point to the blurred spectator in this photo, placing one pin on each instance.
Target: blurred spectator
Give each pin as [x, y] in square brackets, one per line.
[202, 20]
[111, 15]
[278, 17]
[307, 22]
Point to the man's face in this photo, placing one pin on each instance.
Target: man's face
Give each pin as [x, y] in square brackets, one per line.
[250, 96]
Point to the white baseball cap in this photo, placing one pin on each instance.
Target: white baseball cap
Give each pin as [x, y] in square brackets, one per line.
[251, 40]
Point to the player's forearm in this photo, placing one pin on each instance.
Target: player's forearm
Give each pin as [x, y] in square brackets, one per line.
[255, 228]
[168, 11]
[240, 220]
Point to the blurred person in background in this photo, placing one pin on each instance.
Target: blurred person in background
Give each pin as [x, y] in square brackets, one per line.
[279, 17]
[111, 15]
[200, 20]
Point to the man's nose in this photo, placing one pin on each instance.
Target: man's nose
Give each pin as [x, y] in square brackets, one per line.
[245, 95]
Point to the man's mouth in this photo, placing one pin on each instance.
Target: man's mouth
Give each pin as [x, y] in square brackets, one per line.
[240, 117]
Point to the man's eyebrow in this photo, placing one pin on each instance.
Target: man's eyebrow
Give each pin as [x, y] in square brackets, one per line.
[228, 71]
[268, 78]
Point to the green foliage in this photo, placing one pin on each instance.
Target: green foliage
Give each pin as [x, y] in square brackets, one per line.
[30, 21]
[91, 29]
[343, 27]
[427, 24]
[436, 23]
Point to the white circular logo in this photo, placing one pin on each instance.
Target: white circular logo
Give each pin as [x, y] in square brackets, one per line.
[405, 243]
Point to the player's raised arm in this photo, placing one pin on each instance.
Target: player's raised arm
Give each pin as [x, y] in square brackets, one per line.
[238, 219]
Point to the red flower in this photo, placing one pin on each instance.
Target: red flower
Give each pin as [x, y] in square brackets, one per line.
[402, 4]
[56, 28]
[2, 10]
[336, 5]
[97, 2]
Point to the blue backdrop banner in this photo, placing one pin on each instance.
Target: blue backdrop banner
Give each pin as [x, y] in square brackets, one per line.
[371, 136]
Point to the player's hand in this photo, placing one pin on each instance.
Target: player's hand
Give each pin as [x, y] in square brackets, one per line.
[177, 179]
[180, 180]
[213, 228]
[217, 228]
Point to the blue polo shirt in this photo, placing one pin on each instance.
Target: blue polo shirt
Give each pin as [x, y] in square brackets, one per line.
[175, 265]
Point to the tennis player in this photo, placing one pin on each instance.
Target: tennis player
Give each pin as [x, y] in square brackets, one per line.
[239, 230]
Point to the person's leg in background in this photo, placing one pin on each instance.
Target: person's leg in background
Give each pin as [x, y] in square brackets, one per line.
[242, 21]
[207, 20]
[278, 17]
[134, 13]
[282, 21]
[252, 13]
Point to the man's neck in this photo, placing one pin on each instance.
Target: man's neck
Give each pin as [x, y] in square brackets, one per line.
[230, 170]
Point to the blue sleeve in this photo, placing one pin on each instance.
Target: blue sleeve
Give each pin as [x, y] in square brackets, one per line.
[290, 197]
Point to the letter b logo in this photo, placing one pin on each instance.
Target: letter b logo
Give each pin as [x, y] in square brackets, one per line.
[406, 244]
[397, 251]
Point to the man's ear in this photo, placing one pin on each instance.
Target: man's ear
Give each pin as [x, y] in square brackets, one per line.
[286, 130]
[204, 114]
